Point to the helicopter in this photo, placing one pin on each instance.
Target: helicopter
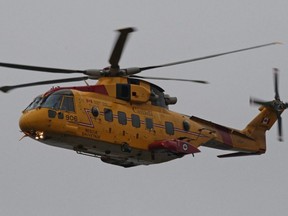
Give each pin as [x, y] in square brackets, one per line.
[125, 120]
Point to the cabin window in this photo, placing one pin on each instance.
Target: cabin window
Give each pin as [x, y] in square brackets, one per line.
[108, 115]
[135, 121]
[149, 123]
[186, 125]
[122, 119]
[169, 127]
[95, 111]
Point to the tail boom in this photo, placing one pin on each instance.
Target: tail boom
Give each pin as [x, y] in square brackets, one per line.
[249, 141]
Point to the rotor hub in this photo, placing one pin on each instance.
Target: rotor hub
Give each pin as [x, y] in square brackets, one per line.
[279, 106]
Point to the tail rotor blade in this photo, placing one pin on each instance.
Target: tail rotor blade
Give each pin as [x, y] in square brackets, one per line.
[277, 97]
[280, 138]
[254, 101]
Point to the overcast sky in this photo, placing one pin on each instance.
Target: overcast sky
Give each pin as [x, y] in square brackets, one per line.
[36, 179]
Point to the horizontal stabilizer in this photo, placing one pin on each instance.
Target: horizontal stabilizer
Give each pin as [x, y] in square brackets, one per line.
[238, 154]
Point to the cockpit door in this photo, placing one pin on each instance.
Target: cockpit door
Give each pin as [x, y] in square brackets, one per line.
[67, 109]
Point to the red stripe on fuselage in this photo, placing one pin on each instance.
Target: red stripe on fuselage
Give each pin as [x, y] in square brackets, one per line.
[226, 135]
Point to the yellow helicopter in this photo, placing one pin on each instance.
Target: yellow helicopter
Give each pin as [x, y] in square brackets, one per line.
[125, 120]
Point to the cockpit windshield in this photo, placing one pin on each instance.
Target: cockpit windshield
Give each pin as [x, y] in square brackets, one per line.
[60, 100]
[35, 103]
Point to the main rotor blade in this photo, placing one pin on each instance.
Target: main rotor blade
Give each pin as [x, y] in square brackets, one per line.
[206, 57]
[9, 88]
[119, 46]
[277, 97]
[172, 79]
[41, 69]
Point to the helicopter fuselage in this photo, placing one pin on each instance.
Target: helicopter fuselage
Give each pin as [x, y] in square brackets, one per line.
[124, 122]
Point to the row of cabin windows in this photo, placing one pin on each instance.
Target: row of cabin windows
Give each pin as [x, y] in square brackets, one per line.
[136, 122]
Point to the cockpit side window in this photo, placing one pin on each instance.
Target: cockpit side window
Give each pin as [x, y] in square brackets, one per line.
[67, 104]
[53, 101]
[60, 100]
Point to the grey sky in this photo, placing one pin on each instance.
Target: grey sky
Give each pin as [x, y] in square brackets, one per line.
[36, 179]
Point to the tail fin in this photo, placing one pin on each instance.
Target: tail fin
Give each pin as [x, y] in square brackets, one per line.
[257, 128]
[270, 112]
[275, 107]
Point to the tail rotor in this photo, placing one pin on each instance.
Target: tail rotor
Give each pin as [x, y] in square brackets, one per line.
[276, 105]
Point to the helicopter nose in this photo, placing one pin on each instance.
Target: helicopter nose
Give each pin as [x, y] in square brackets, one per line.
[33, 120]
